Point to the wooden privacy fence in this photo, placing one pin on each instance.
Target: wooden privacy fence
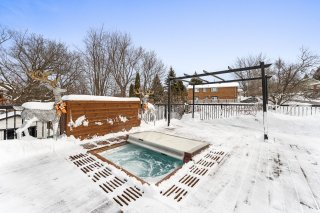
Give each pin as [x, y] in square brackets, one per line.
[89, 116]
[296, 110]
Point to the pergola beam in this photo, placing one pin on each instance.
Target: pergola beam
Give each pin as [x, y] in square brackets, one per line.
[214, 75]
[235, 80]
[221, 72]
[186, 81]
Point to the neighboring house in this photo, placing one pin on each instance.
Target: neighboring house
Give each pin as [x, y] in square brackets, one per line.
[10, 121]
[214, 93]
[313, 86]
[4, 100]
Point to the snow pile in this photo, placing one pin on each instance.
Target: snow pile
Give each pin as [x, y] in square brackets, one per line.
[150, 106]
[80, 121]
[96, 98]
[98, 123]
[38, 105]
[110, 121]
[123, 118]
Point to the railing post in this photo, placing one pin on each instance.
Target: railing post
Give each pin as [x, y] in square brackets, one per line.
[193, 90]
[165, 111]
[264, 96]
[14, 123]
[169, 101]
[6, 135]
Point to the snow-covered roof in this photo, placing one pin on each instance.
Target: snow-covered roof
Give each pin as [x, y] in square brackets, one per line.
[311, 81]
[95, 98]
[231, 84]
[10, 114]
[38, 105]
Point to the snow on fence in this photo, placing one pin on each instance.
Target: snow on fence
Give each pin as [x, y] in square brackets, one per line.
[177, 110]
[226, 110]
[296, 110]
[206, 111]
[216, 111]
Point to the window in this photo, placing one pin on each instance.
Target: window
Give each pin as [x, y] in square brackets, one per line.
[196, 99]
[204, 90]
[196, 89]
[214, 89]
[206, 99]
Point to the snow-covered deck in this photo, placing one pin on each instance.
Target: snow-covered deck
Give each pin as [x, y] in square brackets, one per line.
[282, 175]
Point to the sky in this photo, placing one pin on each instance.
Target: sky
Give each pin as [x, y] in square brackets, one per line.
[187, 35]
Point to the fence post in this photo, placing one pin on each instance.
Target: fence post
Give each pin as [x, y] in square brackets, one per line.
[193, 91]
[165, 112]
[264, 96]
[6, 136]
[169, 101]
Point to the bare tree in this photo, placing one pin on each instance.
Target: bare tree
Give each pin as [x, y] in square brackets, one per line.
[124, 59]
[5, 34]
[33, 52]
[250, 88]
[150, 67]
[287, 78]
[97, 61]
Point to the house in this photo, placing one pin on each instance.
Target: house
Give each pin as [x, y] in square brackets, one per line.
[214, 93]
[4, 99]
[312, 86]
[10, 121]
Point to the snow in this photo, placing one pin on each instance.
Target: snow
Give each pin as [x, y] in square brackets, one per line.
[150, 106]
[231, 84]
[96, 98]
[9, 114]
[79, 121]
[281, 175]
[98, 123]
[38, 105]
[123, 118]
[110, 121]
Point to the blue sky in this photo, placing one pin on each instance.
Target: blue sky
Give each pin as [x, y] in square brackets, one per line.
[188, 35]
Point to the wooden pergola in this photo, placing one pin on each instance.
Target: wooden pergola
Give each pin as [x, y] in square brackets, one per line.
[264, 81]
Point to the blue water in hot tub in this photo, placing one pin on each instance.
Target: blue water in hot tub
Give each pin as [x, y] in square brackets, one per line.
[144, 163]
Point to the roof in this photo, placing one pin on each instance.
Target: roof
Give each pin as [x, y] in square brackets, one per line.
[10, 114]
[231, 84]
[311, 81]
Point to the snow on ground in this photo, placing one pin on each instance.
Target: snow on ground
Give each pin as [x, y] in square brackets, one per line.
[281, 175]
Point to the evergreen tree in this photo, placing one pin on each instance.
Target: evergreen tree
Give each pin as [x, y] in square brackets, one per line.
[178, 90]
[131, 91]
[171, 73]
[195, 80]
[158, 90]
[181, 92]
[137, 84]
